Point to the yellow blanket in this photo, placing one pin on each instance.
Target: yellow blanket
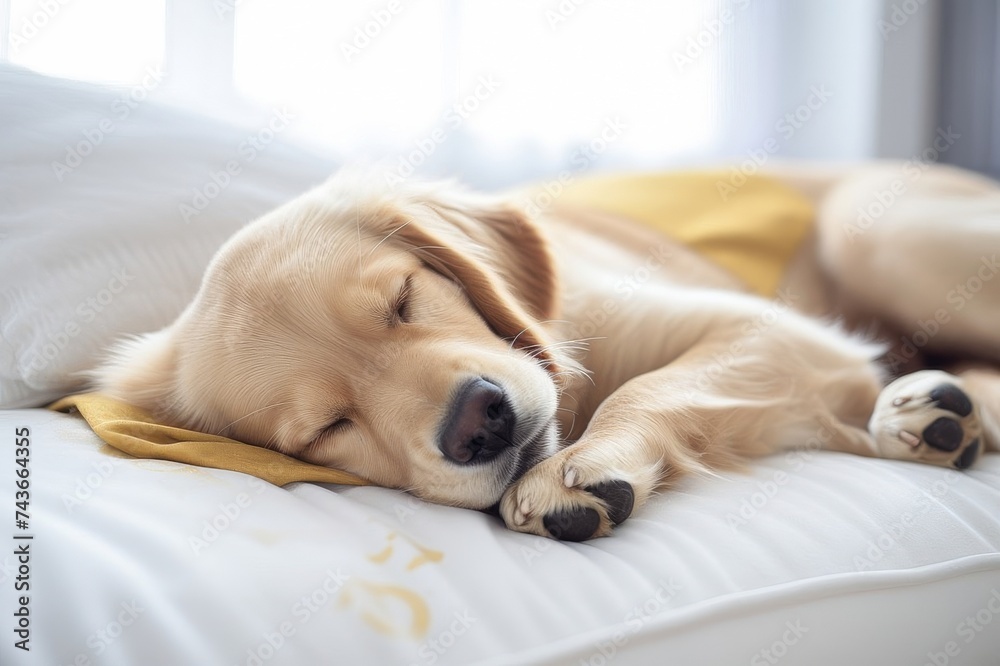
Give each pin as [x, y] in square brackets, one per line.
[135, 432]
[753, 232]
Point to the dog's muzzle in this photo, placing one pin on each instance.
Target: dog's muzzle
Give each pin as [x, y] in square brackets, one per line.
[480, 423]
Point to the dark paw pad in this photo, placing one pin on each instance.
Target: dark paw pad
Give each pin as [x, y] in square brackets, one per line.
[619, 497]
[952, 398]
[969, 455]
[945, 434]
[575, 524]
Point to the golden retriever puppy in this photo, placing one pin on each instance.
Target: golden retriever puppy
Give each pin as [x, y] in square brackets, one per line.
[423, 337]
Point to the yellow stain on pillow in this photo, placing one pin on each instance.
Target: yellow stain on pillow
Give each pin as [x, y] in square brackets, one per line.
[752, 230]
[135, 432]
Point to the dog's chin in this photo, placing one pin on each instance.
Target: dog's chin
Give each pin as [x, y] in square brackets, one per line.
[534, 451]
[537, 448]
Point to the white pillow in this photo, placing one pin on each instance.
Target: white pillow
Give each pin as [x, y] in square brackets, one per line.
[110, 209]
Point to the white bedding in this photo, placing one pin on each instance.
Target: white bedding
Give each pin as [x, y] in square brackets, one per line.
[817, 558]
[836, 559]
[117, 244]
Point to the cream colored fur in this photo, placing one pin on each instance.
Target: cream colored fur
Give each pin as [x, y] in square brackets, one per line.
[296, 327]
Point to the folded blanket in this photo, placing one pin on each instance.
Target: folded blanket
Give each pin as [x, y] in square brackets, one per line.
[135, 432]
[751, 226]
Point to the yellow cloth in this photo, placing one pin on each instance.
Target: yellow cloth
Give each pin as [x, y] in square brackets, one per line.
[135, 432]
[752, 230]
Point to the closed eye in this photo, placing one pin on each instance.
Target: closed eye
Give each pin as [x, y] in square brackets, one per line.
[338, 425]
[401, 306]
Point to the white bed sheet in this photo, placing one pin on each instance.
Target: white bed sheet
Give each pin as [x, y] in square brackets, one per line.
[835, 559]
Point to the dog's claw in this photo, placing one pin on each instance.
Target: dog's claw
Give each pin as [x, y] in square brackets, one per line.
[569, 480]
[523, 513]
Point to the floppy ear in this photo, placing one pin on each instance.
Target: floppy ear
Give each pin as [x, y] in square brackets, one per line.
[497, 254]
[509, 242]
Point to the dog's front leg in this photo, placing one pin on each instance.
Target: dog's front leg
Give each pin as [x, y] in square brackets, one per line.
[587, 488]
[708, 408]
[647, 433]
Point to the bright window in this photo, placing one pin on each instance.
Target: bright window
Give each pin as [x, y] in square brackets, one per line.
[524, 75]
[106, 41]
[495, 91]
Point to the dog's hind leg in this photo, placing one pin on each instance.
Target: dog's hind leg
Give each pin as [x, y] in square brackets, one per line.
[917, 246]
[937, 418]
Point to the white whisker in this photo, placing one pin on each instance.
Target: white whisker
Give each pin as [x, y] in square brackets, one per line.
[389, 235]
[256, 411]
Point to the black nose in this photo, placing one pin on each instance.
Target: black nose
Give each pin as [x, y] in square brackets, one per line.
[479, 423]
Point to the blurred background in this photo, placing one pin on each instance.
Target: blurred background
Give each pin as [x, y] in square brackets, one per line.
[503, 91]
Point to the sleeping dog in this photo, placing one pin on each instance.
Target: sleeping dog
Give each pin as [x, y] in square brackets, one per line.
[482, 352]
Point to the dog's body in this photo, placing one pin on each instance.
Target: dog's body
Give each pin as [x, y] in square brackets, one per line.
[427, 340]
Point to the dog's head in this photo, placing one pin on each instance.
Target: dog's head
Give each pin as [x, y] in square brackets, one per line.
[393, 334]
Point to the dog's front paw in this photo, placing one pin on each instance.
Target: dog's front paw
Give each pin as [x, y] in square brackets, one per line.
[927, 416]
[572, 498]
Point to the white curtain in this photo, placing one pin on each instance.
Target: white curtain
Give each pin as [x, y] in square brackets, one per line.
[494, 91]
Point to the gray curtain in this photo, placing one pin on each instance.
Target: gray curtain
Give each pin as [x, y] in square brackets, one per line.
[969, 85]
